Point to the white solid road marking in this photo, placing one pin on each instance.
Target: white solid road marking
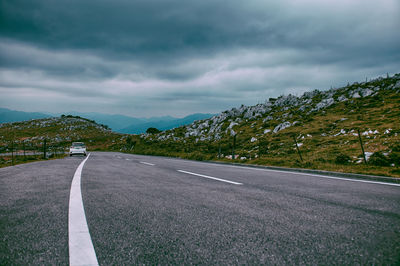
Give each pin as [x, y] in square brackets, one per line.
[322, 176]
[151, 164]
[81, 250]
[210, 177]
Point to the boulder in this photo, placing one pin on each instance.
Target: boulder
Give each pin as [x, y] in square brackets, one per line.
[282, 126]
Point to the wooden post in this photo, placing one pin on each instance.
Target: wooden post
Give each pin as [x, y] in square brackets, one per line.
[297, 148]
[362, 146]
[12, 152]
[233, 147]
[44, 149]
[219, 150]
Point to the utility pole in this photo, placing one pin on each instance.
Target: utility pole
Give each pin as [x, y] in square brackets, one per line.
[362, 146]
[297, 148]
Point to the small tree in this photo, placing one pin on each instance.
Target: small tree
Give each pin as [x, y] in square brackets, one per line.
[152, 130]
[130, 142]
[378, 159]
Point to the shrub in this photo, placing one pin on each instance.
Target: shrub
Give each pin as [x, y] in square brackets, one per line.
[396, 147]
[342, 159]
[152, 130]
[378, 159]
[394, 157]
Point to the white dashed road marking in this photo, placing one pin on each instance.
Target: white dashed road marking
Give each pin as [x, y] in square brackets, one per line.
[81, 250]
[210, 177]
[151, 164]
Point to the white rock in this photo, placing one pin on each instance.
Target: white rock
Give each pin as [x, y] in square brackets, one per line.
[232, 124]
[267, 131]
[397, 85]
[267, 118]
[253, 139]
[366, 92]
[324, 103]
[310, 94]
[302, 108]
[289, 100]
[342, 98]
[368, 154]
[282, 126]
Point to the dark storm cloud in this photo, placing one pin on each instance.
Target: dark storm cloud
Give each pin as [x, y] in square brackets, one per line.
[169, 50]
[155, 31]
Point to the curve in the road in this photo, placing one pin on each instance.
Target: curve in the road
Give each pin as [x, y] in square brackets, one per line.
[81, 250]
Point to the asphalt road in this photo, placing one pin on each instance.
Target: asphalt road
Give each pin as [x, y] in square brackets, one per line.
[143, 210]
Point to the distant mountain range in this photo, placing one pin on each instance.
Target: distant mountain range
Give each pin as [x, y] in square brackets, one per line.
[163, 123]
[8, 116]
[118, 123]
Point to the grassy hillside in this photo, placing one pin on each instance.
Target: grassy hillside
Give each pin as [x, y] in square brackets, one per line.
[57, 132]
[324, 124]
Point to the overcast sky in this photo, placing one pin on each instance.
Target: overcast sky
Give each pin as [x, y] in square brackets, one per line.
[167, 57]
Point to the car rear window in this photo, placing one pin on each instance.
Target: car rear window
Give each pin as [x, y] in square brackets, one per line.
[78, 144]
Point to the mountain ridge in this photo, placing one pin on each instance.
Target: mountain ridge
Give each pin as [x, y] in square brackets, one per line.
[163, 124]
[9, 116]
[117, 122]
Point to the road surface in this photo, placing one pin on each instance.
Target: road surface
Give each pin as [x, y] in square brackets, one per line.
[153, 210]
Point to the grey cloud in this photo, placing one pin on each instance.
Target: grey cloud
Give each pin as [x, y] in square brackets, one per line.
[169, 52]
[159, 30]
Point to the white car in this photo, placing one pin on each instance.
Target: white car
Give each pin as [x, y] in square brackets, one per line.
[77, 148]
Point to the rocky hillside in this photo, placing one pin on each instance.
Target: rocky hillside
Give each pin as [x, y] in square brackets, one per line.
[324, 124]
[56, 131]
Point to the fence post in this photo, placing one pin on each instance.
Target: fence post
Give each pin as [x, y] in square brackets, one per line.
[12, 152]
[219, 150]
[44, 149]
[233, 147]
[23, 145]
[362, 146]
[297, 148]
